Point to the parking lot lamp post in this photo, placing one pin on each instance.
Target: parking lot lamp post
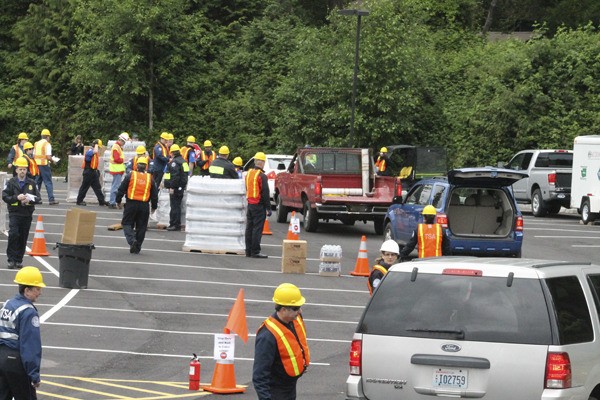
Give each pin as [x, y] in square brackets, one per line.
[359, 14]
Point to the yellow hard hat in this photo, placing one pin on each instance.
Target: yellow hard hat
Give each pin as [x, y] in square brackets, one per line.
[429, 210]
[164, 135]
[140, 150]
[238, 161]
[29, 276]
[191, 139]
[383, 150]
[260, 156]
[175, 148]
[99, 142]
[23, 136]
[27, 146]
[124, 136]
[224, 150]
[21, 162]
[288, 294]
[170, 136]
[207, 143]
[142, 160]
[45, 132]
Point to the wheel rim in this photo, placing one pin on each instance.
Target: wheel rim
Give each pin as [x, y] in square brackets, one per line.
[585, 212]
[535, 203]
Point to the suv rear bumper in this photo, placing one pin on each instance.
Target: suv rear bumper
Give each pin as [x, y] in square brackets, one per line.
[354, 390]
[487, 247]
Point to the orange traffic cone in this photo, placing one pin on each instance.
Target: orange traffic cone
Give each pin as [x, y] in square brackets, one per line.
[294, 229]
[39, 241]
[223, 381]
[362, 261]
[266, 229]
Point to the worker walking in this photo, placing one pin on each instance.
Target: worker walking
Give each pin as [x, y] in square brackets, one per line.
[160, 155]
[16, 151]
[20, 339]
[207, 156]
[259, 205]
[389, 256]
[42, 154]
[281, 353]
[20, 195]
[139, 189]
[116, 167]
[382, 162]
[221, 167]
[176, 180]
[91, 175]
[32, 170]
[429, 237]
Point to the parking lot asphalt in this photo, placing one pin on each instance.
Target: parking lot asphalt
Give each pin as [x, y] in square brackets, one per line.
[132, 332]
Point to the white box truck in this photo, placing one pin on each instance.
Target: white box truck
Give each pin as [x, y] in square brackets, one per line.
[585, 184]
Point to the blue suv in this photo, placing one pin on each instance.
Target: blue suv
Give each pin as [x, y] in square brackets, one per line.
[475, 206]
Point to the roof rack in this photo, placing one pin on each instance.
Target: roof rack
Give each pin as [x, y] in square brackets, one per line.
[559, 264]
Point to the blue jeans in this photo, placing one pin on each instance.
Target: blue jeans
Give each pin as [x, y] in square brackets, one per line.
[114, 187]
[45, 176]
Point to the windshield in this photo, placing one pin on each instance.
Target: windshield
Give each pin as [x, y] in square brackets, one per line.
[459, 307]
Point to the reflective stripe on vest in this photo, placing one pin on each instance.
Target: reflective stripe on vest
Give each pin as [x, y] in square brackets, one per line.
[209, 159]
[18, 152]
[39, 152]
[185, 153]
[381, 164]
[164, 151]
[34, 170]
[430, 240]
[253, 184]
[9, 323]
[112, 167]
[216, 170]
[93, 162]
[294, 354]
[379, 268]
[140, 184]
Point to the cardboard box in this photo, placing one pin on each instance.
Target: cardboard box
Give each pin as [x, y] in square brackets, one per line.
[294, 248]
[293, 265]
[79, 227]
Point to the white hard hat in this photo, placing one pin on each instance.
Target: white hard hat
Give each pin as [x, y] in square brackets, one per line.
[390, 246]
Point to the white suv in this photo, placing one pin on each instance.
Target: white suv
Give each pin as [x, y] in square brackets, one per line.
[492, 328]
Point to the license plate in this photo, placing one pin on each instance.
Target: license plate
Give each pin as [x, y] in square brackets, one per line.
[450, 378]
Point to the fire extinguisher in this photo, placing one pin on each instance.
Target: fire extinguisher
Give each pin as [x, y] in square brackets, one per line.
[194, 373]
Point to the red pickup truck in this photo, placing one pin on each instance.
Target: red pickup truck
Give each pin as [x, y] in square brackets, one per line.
[325, 183]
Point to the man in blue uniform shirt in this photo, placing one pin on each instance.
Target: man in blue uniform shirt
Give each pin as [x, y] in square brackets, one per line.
[20, 340]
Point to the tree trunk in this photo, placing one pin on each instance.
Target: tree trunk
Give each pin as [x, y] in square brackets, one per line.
[490, 17]
[151, 100]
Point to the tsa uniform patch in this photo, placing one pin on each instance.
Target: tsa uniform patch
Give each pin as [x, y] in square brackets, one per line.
[30, 187]
[35, 321]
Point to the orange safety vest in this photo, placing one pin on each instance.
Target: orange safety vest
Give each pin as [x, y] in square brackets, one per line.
[18, 152]
[40, 152]
[140, 184]
[34, 170]
[210, 158]
[380, 164]
[430, 240]
[165, 153]
[185, 152]
[253, 186]
[294, 353]
[93, 162]
[380, 269]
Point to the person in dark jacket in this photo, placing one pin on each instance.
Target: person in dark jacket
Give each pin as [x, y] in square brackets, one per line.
[281, 353]
[20, 339]
[176, 180]
[16, 151]
[259, 206]
[429, 236]
[91, 175]
[160, 154]
[221, 167]
[140, 189]
[76, 150]
[20, 194]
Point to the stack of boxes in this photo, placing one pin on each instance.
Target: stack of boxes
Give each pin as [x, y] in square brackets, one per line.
[293, 259]
[330, 260]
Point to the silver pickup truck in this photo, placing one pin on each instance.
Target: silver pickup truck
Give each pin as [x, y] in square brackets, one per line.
[548, 187]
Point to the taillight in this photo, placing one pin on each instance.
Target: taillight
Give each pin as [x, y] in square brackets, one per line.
[318, 188]
[519, 224]
[271, 175]
[442, 219]
[558, 371]
[552, 178]
[356, 357]
[398, 187]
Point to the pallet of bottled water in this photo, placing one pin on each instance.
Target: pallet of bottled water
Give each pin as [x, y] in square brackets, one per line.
[330, 260]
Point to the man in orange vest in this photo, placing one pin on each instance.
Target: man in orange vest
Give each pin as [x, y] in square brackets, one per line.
[259, 205]
[281, 353]
[32, 170]
[139, 189]
[42, 154]
[16, 151]
[429, 237]
[160, 155]
[382, 162]
[207, 156]
[116, 167]
[91, 175]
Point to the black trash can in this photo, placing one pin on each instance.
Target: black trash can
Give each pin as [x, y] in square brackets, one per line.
[74, 265]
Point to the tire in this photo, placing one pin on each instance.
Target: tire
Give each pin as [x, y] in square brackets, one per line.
[518, 255]
[387, 232]
[378, 224]
[311, 219]
[282, 211]
[592, 397]
[586, 215]
[538, 208]
[554, 208]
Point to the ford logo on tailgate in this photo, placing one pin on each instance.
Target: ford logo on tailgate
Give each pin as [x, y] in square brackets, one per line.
[451, 347]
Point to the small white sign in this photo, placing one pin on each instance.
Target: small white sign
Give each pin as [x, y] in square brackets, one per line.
[295, 225]
[224, 347]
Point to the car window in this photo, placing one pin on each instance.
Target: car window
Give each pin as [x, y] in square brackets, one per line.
[414, 195]
[574, 322]
[594, 281]
[474, 308]
[520, 161]
[555, 160]
[438, 194]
